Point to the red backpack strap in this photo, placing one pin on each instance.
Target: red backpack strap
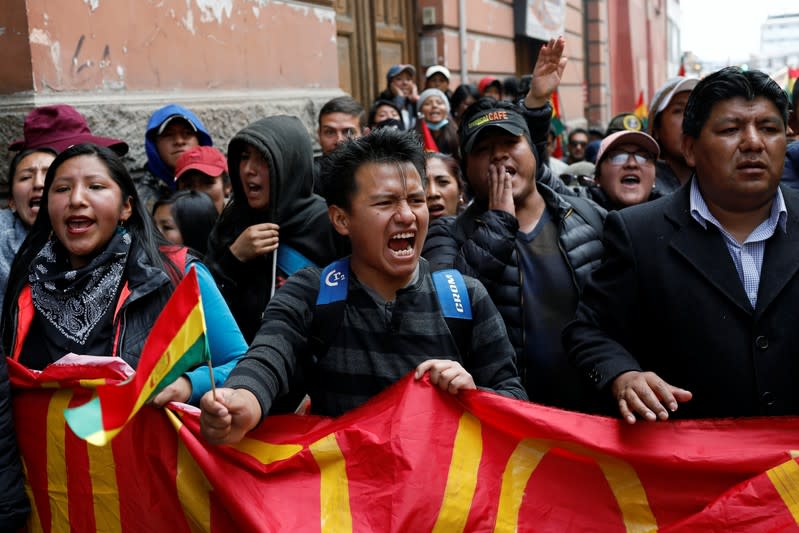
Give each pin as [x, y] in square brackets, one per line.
[25, 312]
[123, 295]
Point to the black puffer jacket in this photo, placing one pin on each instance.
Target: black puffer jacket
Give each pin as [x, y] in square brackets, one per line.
[301, 215]
[482, 244]
[14, 506]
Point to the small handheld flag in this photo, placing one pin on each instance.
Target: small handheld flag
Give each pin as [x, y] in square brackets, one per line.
[557, 126]
[176, 343]
[429, 142]
[640, 110]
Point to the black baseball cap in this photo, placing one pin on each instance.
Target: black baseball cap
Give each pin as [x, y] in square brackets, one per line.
[503, 118]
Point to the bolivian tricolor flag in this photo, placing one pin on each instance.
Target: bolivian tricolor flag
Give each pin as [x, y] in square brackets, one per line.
[641, 111]
[556, 122]
[177, 343]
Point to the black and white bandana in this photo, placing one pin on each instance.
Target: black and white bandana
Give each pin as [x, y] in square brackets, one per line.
[72, 302]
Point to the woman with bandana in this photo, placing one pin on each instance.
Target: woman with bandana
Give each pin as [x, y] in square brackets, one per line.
[94, 274]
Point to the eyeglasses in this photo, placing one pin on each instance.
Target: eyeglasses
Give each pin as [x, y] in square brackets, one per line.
[578, 143]
[621, 158]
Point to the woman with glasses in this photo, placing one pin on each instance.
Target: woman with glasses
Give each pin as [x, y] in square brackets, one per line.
[625, 170]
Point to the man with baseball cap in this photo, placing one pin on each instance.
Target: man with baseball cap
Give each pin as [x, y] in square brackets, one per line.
[401, 89]
[625, 170]
[204, 169]
[665, 126]
[531, 247]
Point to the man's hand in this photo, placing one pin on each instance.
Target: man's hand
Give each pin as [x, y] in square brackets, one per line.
[257, 240]
[177, 391]
[500, 189]
[547, 73]
[447, 375]
[645, 394]
[228, 417]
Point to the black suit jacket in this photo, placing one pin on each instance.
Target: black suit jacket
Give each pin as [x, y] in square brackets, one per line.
[667, 298]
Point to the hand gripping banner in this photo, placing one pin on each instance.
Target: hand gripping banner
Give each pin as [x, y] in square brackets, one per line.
[413, 459]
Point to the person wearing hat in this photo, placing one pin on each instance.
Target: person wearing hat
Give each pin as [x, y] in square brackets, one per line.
[434, 117]
[47, 130]
[624, 122]
[625, 170]
[531, 247]
[171, 131]
[384, 113]
[491, 87]
[204, 169]
[438, 77]
[401, 89]
[665, 126]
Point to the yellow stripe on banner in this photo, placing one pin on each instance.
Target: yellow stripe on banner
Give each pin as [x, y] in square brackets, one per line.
[265, 452]
[629, 493]
[34, 524]
[193, 487]
[105, 492]
[334, 492]
[186, 336]
[521, 465]
[621, 477]
[57, 461]
[462, 477]
[92, 383]
[785, 478]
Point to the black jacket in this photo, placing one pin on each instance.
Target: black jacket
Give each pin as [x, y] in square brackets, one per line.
[149, 287]
[662, 268]
[14, 506]
[482, 244]
[301, 215]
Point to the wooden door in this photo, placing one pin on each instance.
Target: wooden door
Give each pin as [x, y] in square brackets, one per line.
[372, 35]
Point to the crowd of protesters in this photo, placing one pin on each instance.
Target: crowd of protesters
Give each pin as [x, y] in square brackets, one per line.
[649, 274]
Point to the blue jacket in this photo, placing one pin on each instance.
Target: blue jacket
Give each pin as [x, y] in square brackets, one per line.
[154, 163]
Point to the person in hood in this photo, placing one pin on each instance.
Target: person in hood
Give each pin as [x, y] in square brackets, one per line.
[274, 224]
[171, 131]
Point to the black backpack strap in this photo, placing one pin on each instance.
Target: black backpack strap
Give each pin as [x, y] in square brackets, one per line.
[453, 299]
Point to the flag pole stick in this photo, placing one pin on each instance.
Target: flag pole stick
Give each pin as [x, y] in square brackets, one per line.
[213, 384]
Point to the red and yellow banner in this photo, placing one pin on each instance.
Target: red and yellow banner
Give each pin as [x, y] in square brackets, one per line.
[413, 459]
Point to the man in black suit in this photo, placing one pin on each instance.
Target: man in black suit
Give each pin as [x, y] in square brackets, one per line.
[696, 302]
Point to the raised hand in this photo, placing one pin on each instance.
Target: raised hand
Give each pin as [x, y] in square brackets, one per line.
[547, 72]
